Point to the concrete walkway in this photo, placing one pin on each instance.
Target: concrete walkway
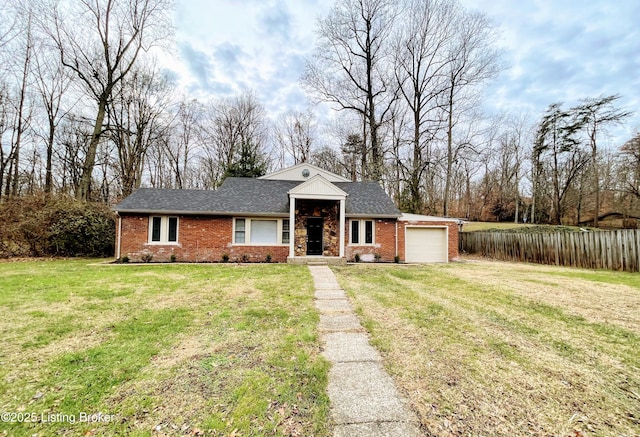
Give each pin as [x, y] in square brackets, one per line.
[364, 401]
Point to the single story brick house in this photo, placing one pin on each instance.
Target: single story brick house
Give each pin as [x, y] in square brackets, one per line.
[299, 214]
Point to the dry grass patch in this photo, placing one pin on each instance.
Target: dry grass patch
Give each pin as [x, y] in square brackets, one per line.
[577, 291]
[479, 350]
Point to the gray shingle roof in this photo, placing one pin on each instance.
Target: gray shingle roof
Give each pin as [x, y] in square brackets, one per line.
[252, 196]
[367, 199]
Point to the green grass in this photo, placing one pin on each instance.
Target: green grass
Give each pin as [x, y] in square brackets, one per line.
[517, 227]
[601, 276]
[483, 349]
[187, 348]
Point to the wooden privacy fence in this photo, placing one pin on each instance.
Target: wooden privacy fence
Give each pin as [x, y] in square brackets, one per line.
[612, 250]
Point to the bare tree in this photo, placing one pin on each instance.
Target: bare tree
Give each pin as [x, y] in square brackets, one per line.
[6, 113]
[22, 113]
[100, 42]
[295, 133]
[237, 130]
[52, 82]
[350, 67]
[328, 159]
[630, 152]
[181, 144]
[513, 141]
[596, 114]
[397, 170]
[73, 137]
[420, 61]
[8, 24]
[472, 60]
[137, 119]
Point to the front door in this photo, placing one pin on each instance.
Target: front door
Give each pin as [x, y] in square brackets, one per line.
[314, 235]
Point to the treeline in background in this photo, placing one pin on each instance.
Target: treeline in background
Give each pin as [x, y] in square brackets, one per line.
[88, 114]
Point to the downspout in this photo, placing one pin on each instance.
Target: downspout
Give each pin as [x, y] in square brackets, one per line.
[119, 242]
[396, 237]
[342, 219]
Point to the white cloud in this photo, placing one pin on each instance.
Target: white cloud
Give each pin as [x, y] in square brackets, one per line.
[558, 51]
[565, 51]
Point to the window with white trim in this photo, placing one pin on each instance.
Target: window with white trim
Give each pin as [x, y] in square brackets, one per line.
[286, 233]
[240, 232]
[362, 232]
[163, 230]
[261, 231]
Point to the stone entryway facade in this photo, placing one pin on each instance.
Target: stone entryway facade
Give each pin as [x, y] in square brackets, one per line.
[317, 212]
[329, 212]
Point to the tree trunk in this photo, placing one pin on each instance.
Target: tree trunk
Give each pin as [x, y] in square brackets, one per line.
[414, 188]
[517, 212]
[48, 179]
[595, 175]
[84, 187]
[20, 128]
[447, 184]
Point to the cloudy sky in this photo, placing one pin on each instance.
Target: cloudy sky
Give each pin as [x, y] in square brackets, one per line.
[557, 51]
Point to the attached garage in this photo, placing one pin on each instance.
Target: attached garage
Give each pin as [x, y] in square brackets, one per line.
[428, 239]
[426, 245]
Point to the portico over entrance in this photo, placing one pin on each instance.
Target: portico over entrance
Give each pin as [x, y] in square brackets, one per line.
[317, 212]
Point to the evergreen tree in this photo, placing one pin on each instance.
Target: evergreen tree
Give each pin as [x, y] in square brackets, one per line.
[251, 163]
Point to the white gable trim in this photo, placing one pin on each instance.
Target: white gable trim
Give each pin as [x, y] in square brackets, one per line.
[317, 188]
[295, 174]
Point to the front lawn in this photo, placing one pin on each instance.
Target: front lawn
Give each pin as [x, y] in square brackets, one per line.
[489, 348]
[168, 349]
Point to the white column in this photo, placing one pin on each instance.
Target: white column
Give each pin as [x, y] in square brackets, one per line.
[119, 242]
[342, 226]
[292, 225]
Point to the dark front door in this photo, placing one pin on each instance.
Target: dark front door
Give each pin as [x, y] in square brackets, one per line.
[314, 235]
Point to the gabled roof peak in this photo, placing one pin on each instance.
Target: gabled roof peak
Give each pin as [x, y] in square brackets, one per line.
[317, 187]
[303, 172]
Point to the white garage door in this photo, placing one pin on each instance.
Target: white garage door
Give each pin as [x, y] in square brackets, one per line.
[426, 245]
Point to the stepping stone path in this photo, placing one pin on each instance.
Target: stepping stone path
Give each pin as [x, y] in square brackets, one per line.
[364, 400]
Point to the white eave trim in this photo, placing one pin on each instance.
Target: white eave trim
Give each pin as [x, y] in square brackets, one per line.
[373, 216]
[317, 188]
[405, 217]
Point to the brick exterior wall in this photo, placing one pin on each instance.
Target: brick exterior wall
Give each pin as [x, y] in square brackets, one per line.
[208, 238]
[453, 236]
[384, 239]
[200, 239]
